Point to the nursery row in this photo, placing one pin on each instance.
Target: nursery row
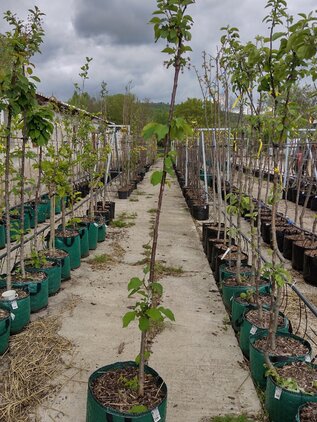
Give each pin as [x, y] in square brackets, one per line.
[290, 386]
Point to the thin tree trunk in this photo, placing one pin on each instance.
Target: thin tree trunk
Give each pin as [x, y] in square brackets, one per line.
[24, 140]
[52, 221]
[158, 211]
[7, 196]
[37, 198]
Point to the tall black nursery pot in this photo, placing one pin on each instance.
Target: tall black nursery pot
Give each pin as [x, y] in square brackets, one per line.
[288, 244]
[210, 230]
[298, 251]
[123, 194]
[281, 232]
[310, 267]
[200, 212]
[111, 205]
[96, 412]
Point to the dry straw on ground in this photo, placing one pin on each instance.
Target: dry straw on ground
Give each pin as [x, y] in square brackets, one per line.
[34, 361]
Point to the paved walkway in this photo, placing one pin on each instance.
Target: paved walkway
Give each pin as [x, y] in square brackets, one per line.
[198, 355]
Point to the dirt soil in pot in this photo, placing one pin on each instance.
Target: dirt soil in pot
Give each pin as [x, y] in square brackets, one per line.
[285, 346]
[253, 318]
[304, 375]
[309, 413]
[118, 389]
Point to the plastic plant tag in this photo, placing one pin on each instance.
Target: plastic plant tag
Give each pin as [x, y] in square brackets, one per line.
[278, 393]
[12, 316]
[308, 358]
[156, 415]
[14, 304]
[226, 253]
[253, 329]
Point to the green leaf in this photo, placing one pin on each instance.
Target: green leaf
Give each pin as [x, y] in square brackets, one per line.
[156, 177]
[155, 129]
[35, 78]
[157, 288]
[128, 317]
[138, 409]
[154, 314]
[146, 269]
[144, 323]
[168, 313]
[134, 283]
[168, 50]
[277, 35]
[155, 20]
[146, 355]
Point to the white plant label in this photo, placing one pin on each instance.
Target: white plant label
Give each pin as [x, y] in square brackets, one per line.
[253, 330]
[12, 316]
[278, 393]
[308, 359]
[156, 415]
[14, 304]
[226, 253]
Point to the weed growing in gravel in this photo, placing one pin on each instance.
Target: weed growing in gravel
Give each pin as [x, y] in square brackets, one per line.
[152, 210]
[232, 418]
[100, 261]
[124, 220]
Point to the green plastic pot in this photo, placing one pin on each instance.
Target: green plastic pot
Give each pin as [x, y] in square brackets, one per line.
[93, 229]
[54, 275]
[58, 205]
[257, 360]
[225, 272]
[247, 329]
[5, 324]
[15, 225]
[282, 405]
[98, 413]
[30, 211]
[102, 232]
[84, 239]
[38, 292]
[42, 211]
[70, 245]
[64, 263]
[238, 308]
[2, 235]
[45, 200]
[21, 314]
[229, 291]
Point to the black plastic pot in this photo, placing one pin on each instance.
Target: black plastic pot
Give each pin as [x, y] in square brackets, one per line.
[281, 232]
[123, 194]
[313, 205]
[210, 230]
[288, 245]
[298, 251]
[113, 173]
[200, 212]
[310, 267]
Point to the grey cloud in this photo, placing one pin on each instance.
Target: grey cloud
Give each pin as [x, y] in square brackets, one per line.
[116, 34]
[124, 21]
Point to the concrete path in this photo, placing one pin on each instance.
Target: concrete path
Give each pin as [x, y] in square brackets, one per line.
[198, 355]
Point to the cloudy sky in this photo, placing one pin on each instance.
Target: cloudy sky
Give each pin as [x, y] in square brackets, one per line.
[116, 34]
